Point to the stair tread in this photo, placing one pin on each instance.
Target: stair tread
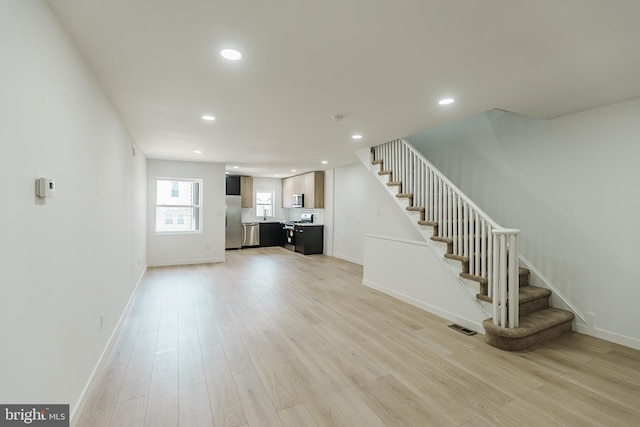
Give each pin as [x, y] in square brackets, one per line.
[415, 208]
[454, 257]
[429, 223]
[531, 323]
[409, 195]
[479, 279]
[377, 162]
[527, 294]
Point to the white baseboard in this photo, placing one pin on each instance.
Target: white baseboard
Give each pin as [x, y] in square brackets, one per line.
[346, 258]
[82, 401]
[607, 335]
[185, 262]
[431, 309]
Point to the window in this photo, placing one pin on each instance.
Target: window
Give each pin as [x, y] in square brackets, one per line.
[178, 205]
[264, 204]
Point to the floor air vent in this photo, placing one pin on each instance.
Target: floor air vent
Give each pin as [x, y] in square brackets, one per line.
[462, 329]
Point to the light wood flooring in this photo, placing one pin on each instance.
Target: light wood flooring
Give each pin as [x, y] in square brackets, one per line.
[274, 338]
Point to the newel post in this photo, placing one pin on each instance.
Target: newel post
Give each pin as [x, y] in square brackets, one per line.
[505, 281]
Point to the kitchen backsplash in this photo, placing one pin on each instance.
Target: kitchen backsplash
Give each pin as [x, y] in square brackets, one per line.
[284, 214]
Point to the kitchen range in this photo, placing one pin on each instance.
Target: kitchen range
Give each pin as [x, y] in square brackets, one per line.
[304, 236]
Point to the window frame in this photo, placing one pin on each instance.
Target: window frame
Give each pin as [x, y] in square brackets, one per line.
[273, 203]
[196, 206]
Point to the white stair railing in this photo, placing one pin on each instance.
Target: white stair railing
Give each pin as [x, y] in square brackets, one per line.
[473, 235]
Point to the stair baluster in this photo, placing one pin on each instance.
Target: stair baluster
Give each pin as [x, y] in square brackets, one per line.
[487, 251]
[474, 237]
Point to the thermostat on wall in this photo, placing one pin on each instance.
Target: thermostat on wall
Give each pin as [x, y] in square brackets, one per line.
[45, 187]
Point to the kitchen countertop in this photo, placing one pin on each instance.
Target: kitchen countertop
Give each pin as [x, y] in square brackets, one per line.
[303, 224]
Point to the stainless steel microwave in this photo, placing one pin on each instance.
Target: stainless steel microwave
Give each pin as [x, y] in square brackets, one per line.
[298, 201]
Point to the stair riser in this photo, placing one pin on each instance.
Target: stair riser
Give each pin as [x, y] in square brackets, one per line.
[525, 307]
[535, 305]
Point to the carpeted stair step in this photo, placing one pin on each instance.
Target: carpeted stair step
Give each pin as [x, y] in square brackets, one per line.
[406, 196]
[419, 209]
[523, 280]
[530, 298]
[454, 257]
[447, 240]
[377, 162]
[395, 184]
[387, 172]
[534, 328]
[482, 280]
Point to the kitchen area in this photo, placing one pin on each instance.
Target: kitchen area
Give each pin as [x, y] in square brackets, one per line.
[262, 212]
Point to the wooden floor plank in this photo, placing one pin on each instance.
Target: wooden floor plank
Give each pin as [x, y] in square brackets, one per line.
[195, 410]
[121, 350]
[130, 413]
[138, 375]
[223, 396]
[164, 397]
[271, 337]
[255, 400]
[356, 411]
[103, 395]
[434, 397]
[276, 385]
[296, 416]
[322, 409]
[237, 356]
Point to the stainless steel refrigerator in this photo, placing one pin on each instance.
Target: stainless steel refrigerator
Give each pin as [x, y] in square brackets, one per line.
[233, 233]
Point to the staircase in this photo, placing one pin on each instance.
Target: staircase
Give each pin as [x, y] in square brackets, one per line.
[488, 253]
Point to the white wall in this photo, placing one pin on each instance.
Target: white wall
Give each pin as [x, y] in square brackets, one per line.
[414, 272]
[66, 260]
[570, 185]
[192, 248]
[365, 225]
[360, 206]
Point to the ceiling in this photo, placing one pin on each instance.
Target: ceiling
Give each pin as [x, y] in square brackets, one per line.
[381, 64]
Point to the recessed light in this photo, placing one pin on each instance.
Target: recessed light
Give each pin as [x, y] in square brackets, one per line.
[446, 101]
[208, 118]
[230, 54]
[324, 162]
[197, 151]
[236, 167]
[293, 170]
[226, 173]
[357, 136]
